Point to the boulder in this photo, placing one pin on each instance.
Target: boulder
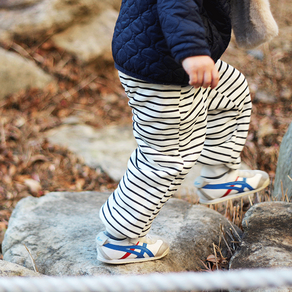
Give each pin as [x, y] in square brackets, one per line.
[12, 270]
[28, 19]
[18, 73]
[90, 40]
[16, 4]
[283, 179]
[108, 148]
[59, 230]
[267, 237]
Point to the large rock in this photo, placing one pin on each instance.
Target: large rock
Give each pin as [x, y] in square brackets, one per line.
[34, 18]
[82, 27]
[90, 40]
[18, 73]
[8, 269]
[109, 149]
[59, 229]
[16, 4]
[284, 168]
[267, 238]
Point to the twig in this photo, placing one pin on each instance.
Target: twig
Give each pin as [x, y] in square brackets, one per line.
[43, 41]
[238, 236]
[3, 137]
[250, 201]
[234, 214]
[215, 254]
[78, 87]
[219, 250]
[282, 189]
[207, 268]
[226, 209]
[21, 51]
[32, 260]
[241, 210]
[4, 102]
[223, 236]
[286, 195]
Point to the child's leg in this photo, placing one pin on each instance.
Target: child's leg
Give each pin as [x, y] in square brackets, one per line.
[229, 110]
[169, 124]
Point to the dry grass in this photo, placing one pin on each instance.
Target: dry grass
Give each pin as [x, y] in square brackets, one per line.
[234, 211]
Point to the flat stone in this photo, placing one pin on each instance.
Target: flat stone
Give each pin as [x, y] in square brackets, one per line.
[109, 149]
[267, 238]
[59, 230]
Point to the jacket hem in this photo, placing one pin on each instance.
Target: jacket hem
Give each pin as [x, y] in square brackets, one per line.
[148, 79]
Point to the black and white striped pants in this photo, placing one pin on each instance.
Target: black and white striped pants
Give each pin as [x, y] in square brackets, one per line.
[175, 127]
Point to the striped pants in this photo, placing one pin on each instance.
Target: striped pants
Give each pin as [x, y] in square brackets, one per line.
[175, 127]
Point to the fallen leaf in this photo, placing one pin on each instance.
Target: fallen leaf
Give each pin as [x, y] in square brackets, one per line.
[211, 258]
[37, 158]
[33, 185]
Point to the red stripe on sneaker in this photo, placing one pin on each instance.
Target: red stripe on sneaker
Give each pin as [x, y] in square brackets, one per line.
[128, 253]
[228, 192]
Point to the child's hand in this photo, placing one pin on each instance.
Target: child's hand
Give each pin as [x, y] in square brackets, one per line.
[202, 71]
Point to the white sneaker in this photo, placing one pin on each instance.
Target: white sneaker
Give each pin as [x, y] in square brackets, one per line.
[130, 250]
[234, 184]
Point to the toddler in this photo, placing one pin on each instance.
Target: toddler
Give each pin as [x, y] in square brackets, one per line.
[188, 107]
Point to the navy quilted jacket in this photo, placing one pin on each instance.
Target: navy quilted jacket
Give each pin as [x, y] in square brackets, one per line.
[152, 37]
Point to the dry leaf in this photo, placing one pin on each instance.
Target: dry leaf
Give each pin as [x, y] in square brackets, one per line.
[33, 185]
[211, 258]
[37, 158]
[3, 225]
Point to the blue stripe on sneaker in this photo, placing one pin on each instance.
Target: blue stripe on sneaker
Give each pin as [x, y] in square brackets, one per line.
[129, 249]
[230, 186]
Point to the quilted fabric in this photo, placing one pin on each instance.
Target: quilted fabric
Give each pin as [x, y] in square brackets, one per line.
[152, 37]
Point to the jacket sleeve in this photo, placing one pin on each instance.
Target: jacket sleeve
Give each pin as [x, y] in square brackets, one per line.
[183, 28]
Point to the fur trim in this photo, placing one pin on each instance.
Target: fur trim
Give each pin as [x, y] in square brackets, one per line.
[252, 22]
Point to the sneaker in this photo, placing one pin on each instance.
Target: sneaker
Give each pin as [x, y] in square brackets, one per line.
[130, 250]
[234, 184]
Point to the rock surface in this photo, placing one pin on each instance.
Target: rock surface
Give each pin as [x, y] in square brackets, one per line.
[267, 238]
[109, 149]
[284, 168]
[29, 18]
[89, 40]
[59, 230]
[82, 27]
[8, 269]
[18, 73]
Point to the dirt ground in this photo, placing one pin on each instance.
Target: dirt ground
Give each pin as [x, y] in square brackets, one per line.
[31, 166]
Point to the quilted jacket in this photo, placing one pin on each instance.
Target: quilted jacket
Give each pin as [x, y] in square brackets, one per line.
[152, 37]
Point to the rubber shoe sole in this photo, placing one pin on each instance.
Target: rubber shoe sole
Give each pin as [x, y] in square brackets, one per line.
[205, 201]
[129, 250]
[248, 182]
[131, 261]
